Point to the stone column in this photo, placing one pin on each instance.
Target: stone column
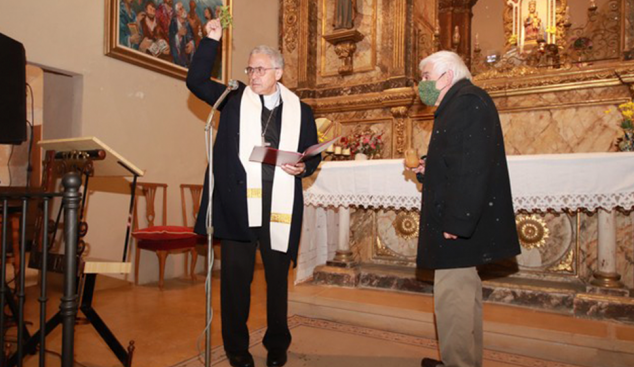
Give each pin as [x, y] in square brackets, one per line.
[606, 275]
[344, 256]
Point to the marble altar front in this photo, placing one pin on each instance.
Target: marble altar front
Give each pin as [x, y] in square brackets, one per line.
[573, 217]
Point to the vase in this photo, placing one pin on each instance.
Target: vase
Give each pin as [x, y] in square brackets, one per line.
[626, 143]
[360, 157]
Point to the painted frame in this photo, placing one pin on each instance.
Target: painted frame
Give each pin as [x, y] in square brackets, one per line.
[166, 50]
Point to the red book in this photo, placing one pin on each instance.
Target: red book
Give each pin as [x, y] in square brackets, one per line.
[278, 157]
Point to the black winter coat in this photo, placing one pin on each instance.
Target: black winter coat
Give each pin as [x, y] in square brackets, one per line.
[466, 187]
[229, 207]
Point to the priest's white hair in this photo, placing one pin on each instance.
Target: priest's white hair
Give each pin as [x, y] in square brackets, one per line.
[444, 61]
[276, 57]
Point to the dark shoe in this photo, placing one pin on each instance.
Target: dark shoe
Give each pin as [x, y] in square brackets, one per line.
[240, 359]
[428, 362]
[276, 358]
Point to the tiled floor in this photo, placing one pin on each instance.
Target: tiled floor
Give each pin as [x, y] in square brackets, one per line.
[167, 325]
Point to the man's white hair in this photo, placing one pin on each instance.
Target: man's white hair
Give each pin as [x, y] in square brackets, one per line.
[276, 57]
[444, 61]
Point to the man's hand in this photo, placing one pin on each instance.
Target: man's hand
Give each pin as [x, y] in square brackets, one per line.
[420, 169]
[135, 39]
[189, 47]
[145, 44]
[214, 29]
[449, 236]
[294, 169]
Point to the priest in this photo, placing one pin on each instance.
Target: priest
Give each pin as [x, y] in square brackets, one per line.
[255, 205]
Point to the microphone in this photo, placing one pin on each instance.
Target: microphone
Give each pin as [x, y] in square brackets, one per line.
[231, 86]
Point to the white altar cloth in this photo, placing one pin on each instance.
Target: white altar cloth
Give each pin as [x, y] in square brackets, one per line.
[538, 182]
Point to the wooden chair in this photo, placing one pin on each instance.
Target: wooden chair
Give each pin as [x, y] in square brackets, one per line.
[195, 192]
[161, 239]
[13, 227]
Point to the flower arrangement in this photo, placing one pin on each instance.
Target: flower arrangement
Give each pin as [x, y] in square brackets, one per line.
[626, 142]
[368, 143]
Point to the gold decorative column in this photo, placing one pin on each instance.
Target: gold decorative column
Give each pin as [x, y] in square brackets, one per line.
[400, 130]
[399, 29]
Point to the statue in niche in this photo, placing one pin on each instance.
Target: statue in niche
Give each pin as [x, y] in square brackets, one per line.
[345, 12]
[532, 24]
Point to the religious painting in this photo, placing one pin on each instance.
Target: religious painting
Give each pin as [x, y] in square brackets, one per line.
[163, 35]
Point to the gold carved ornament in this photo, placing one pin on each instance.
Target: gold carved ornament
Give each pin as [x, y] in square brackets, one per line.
[400, 114]
[291, 10]
[565, 264]
[532, 231]
[406, 225]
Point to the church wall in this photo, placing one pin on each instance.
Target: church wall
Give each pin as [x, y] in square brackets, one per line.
[149, 118]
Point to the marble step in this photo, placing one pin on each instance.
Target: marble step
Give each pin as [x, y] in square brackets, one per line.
[571, 298]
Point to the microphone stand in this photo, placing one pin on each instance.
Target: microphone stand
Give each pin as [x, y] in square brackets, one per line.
[233, 85]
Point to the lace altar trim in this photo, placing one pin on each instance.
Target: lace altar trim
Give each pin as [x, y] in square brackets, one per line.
[556, 203]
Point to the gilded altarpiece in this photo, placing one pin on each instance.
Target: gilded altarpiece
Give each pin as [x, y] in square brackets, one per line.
[566, 104]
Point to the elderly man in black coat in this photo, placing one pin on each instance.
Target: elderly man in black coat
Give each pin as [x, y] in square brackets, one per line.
[254, 204]
[467, 216]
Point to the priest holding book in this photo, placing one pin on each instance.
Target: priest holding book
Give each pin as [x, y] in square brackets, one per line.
[254, 204]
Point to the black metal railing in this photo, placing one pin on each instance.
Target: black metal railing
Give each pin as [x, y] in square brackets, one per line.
[68, 306]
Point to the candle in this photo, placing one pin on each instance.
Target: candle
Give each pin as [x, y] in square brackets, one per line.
[337, 150]
[477, 41]
[346, 151]
[330, 149]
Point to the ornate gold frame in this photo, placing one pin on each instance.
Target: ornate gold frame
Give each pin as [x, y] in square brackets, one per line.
[114, 49]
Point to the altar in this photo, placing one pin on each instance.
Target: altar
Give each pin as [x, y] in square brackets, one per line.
[596, 186]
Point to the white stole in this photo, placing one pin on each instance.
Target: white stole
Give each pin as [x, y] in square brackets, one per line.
[283, 184]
